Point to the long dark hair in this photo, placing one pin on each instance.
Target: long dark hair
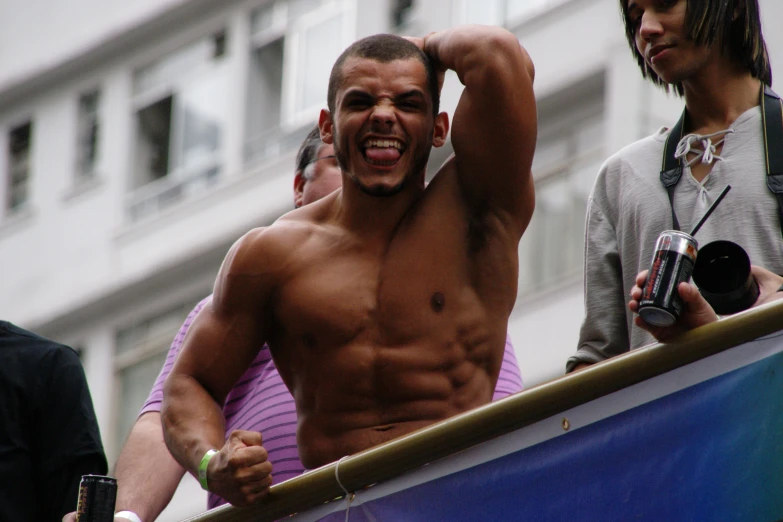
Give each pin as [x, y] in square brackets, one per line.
[734, 25]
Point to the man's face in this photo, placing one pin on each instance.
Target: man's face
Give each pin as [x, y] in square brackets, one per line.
[323, 178]
[661, 39]
[383, 128]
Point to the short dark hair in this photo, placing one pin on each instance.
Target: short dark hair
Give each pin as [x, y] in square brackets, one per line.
[384, 48]
[709, 22]
[308, 151]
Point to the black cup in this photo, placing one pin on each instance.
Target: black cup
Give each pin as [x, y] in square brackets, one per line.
[722, 273]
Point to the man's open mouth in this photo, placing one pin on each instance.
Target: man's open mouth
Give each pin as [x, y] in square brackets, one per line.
[382, 153]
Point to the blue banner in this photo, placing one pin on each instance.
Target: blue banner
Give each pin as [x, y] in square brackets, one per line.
[701, 443]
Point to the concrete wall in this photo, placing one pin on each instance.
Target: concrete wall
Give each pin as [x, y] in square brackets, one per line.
[38, 34]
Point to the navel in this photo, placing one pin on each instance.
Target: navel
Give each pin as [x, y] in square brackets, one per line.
[438, 301]
[308, 340]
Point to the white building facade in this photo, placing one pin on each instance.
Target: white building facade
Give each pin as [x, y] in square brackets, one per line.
[139, 140]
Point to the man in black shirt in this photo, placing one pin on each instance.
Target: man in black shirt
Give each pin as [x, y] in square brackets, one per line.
[49, 436]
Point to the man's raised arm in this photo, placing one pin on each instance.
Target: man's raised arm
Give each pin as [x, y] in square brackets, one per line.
[494, 125]
[220, 345]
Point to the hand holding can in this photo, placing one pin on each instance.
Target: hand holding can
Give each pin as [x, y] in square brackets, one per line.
[696, 311]
[672, 263]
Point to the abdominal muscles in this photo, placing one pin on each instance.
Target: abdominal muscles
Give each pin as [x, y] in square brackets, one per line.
[365, 395]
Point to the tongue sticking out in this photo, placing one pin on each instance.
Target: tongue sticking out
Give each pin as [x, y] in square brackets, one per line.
[385, 154]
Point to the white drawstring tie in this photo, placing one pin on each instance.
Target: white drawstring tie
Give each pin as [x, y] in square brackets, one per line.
[707, 153]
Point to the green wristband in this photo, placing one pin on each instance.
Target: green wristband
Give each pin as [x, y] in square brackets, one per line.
[202, 468]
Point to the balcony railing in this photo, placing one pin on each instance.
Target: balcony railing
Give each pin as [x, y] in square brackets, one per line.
[554, 400]
[150, 199]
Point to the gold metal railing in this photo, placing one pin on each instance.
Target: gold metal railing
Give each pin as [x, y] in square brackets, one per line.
[501, 417]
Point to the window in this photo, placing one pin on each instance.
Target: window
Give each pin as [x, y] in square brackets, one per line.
[88, 135]
[401, 12]
[317, 47]
[485, 12]
[152, 146]
[516, 9]
[294, 45]
[499, 12]
[265, 101]
[568, 155]
[18, 180]
[140, 352]
[180, 124]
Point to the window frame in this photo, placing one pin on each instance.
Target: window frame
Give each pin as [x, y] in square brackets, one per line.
[504, 18]
[7, 208]
[567, 126]
[141, 350]
[278, 29]
[292, 116]
[82, 175]
[148, 198]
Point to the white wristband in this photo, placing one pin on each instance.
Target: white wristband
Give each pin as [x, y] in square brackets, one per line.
[128, 515]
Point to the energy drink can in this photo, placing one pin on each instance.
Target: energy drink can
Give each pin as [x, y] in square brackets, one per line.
[672, 264]
[97, 495]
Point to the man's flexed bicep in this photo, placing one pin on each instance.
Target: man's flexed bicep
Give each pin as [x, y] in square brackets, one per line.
[219, 347]
[239, 312]
[228, 332]
[494, 126]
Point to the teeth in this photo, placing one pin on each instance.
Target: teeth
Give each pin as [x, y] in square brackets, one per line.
[383, 144]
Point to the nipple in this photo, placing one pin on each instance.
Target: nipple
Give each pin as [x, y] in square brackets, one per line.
[438, 301]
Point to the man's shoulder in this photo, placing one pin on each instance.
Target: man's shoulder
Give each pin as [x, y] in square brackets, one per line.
[630, 173]
[648, 151]
[289, 231]
[268, 248]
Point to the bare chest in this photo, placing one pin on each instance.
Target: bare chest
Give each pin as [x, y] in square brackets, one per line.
[419, 286]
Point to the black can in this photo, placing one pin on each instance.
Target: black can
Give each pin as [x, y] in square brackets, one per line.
[672, 264]
[97, 496]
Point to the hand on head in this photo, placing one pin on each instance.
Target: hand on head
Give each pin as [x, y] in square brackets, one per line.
[241, 472]
[421, 43]
[418, 42]
[696, 312]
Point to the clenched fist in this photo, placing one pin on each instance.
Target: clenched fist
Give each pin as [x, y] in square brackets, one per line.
[240, 472]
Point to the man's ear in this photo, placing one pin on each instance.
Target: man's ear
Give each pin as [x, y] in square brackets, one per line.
[326, 127]
[299, 184]
[441, 130]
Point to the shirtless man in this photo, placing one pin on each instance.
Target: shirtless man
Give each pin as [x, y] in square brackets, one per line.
[385, 305]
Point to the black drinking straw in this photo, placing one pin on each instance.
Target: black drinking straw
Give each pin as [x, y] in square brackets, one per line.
[709, 210]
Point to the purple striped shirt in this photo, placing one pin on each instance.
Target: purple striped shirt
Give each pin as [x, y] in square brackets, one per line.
[261, 402]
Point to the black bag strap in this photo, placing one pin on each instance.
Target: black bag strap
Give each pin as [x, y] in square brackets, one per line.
[772, 125]
[671, 169]
[772, 118]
